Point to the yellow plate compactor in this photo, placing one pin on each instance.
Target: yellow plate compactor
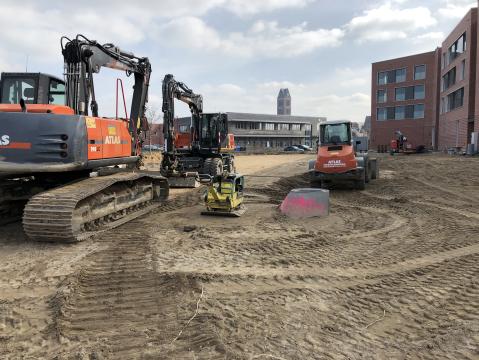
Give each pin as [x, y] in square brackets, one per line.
[224, 196]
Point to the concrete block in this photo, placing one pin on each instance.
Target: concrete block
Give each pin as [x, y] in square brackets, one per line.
[306, 203]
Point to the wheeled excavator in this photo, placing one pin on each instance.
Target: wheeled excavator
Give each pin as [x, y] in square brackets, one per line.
[209, 149]
[71, 172]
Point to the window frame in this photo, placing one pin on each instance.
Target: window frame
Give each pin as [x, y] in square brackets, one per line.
[385, 96]
[425, 69]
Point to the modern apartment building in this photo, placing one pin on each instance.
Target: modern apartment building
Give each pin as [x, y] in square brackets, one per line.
[458, 105]
[431, 97]
[404, 93]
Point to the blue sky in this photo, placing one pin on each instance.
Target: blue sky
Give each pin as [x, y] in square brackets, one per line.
[237, 53]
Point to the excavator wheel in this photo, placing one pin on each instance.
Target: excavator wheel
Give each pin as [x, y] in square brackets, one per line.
[216, 167]
[232, 166]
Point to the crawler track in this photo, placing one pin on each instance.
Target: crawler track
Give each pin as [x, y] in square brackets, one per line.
[80, 210]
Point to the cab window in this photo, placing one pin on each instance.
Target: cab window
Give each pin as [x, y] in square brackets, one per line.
[15, 89]
[56, 94]
[335, 134]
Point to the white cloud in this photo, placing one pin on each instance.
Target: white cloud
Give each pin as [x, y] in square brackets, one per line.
[147, 9]
[243, 7]
[455, 9]
[387, 22]
[266, 39]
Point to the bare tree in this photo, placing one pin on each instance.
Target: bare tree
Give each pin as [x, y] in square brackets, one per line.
[153, 115]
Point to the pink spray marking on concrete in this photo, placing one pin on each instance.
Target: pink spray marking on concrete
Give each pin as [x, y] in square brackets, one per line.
[305, 203]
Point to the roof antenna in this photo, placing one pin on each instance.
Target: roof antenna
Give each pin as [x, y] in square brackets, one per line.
[26, 64]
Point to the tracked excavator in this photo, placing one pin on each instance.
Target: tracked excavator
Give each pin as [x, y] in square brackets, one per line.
[70, 172]
[208, 148]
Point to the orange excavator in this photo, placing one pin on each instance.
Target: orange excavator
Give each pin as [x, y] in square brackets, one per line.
[69, 171]
[338, 161]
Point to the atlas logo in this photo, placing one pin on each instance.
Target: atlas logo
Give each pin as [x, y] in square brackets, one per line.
[4, 140]
[334, 164]
[112, 140]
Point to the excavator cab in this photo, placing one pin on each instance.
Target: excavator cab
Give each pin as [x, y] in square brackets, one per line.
[33, 88]
[213, 133]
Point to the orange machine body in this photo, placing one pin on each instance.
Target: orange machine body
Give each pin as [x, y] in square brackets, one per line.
[106, 138]
[336, 159]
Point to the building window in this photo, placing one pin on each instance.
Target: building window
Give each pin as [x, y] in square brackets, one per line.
[400, 75]
[391, 113]
[295, 127]
[409, 93]
[283, 126]
[419, 111]
[391, 76]
[184, 128]
[381, 114]
[463, 70]
[457, 48]
[382, 96]
[382, 78]
[419, 72]
[452, 101]
[400, 94]
[419, 92]
[449, 79]
[409, 111]
[455, 99]
[268, 126]
[400, 113]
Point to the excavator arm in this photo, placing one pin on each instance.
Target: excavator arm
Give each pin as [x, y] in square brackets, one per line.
[83, 58]
[172, 90]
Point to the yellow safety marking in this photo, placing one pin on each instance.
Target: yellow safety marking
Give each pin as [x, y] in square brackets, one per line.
[90, 122]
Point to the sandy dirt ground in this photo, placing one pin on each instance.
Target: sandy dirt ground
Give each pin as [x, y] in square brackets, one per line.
[391, 273]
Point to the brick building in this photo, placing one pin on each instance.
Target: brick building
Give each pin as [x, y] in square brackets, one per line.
[154, 136]
[458, 84]
[431, 97]
[404, 98]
